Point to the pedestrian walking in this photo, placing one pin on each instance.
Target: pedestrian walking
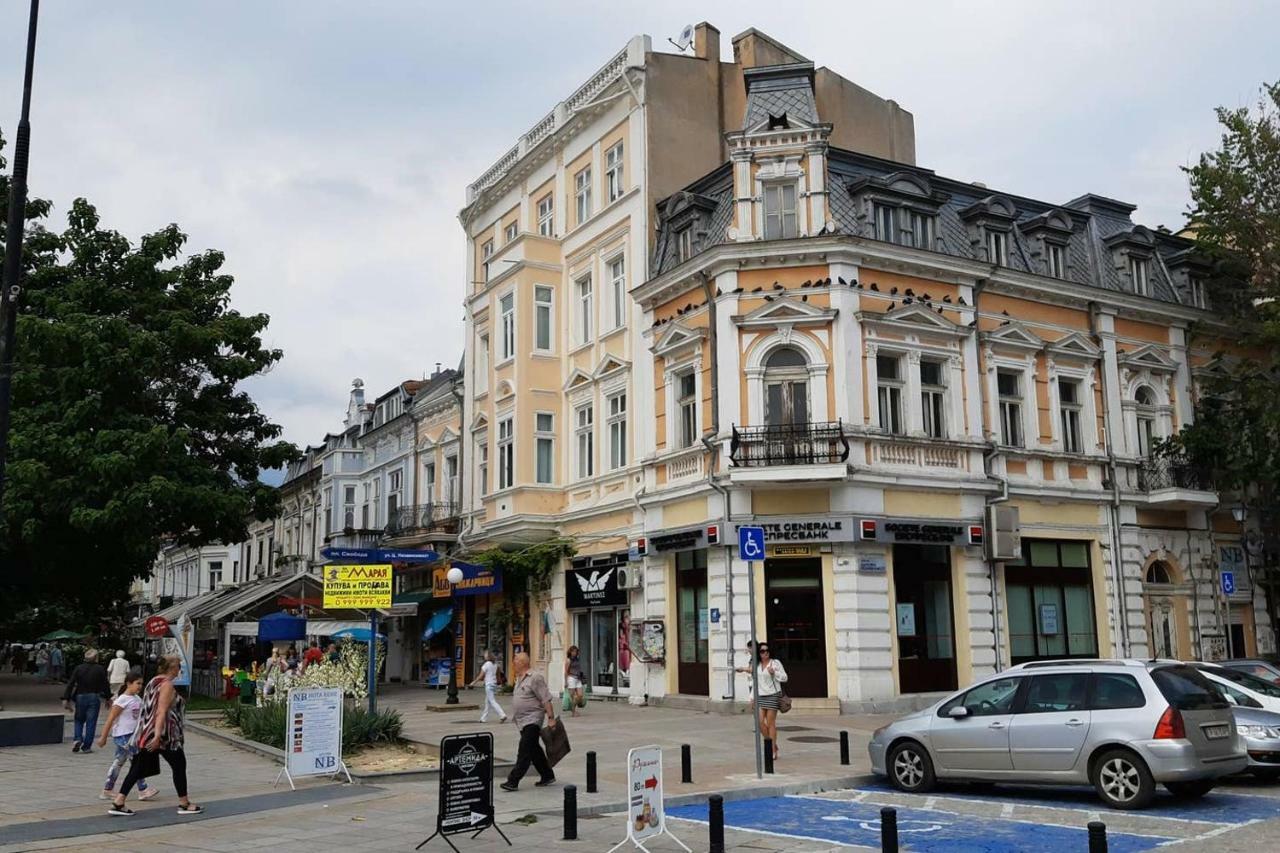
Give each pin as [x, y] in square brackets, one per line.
[18, 659]
[531, 705]
[117, 672]
[42, 662]
[159, 735]
[489, 675]
[87, 688]
[122, 722]
[770, 676]
[55, 662]
[573, 678]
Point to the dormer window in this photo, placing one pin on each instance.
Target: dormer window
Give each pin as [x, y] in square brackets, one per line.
[1139, 275]
[1055, 260]
[998, 247]
[1199, 295]
[684, 244]
[886, 216]
[921, 233]
[780, 221]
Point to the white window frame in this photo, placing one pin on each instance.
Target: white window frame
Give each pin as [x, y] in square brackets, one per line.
[547, 215]
[507, 325]
[687, 423]
[486, 252]
[510, 232]
[890, 393]
[614, 172]
[429, 481]
[482, 462]
[684, 244]
[544, 317]
[933, 400]
[544, 438]
[395, 490]
[1157, 415]
[998, 247]
[616, 409]
[582, 194]
[506, 452]
[921, 229]
[885, 217]
[617, 269]
[1140, 275]
[1011, 409]
[584, 441]
[775, 191]
[451, 475]
[348, 513]
[1199, 292]
[481, 373]
[1070, 414]
[584, 305]
[1055, 260]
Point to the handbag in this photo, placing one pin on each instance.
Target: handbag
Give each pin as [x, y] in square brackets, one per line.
[784, 703]
[566, 702]
[147, 764]
[556, 742]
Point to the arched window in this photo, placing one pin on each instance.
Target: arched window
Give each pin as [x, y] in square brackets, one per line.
[786, 384]
[1146, 417]
[1159, 572]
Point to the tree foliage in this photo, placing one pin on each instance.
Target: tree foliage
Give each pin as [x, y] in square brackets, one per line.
[129, 425]
[526, 573]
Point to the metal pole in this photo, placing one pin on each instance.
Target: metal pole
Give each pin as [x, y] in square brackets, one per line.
[754, 658]
[13, 245]
[452, 697]
[373, 662]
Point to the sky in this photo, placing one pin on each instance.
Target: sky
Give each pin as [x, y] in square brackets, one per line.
[325, 147]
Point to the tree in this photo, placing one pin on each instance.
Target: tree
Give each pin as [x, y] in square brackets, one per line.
[128, 424]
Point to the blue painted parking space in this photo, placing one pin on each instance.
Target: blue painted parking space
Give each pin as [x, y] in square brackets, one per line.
[1214, 807]
[925, 831]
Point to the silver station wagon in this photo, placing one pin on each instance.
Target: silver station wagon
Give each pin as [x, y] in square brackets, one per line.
[1123, 726]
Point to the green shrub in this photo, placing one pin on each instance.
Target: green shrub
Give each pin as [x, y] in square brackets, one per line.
[359, 728]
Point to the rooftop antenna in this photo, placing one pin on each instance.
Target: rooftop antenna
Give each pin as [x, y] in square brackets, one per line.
[683, 40]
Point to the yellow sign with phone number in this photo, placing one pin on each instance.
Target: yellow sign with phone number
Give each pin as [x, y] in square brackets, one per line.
[357, 587]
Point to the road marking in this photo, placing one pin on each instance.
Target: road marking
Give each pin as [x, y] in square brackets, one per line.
[1006, 810]
[1213, 833]
[930, 802]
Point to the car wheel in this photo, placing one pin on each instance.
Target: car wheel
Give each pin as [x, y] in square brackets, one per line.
[1190, 790]
[1265, 774]
[1122, 780]
[910, 768]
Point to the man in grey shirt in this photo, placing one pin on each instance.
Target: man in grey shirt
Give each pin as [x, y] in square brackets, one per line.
[532, 704]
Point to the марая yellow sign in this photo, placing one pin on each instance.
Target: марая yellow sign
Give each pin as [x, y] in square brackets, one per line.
[357, 587]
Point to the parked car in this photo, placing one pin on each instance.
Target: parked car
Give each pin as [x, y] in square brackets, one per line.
[1261, 733]
[1123, 726]
[1257, 667]
[1241, 688]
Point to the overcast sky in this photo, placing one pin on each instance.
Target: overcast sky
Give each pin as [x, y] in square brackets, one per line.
[325, 147]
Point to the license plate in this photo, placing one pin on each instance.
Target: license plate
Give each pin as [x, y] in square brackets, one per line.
[1216, 732]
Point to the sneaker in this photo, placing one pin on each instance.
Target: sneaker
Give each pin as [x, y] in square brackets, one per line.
[149, 794]
[542, 783]
[119, 811]
[76, 747]
[86, 751]
[190, 808]
[503, 720]
[507, 786]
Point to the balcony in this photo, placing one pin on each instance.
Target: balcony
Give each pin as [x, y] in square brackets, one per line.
[807, 451]
[438, 517]
[1175, 483]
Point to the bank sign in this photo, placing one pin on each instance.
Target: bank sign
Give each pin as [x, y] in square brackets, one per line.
[821, 528]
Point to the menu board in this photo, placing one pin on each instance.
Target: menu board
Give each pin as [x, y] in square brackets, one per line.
[313, 731]
[466, 783]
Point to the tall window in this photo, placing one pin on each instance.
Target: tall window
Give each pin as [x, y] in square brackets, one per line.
[509, 233]
[394, 482]
[215, 574]
[582, 194]
[348, 513]
[542, 304]
[1050, 604]
[546, 215]
[1055, 258]
[364, 507]
[585, 440]
[451, 477]
[486, 252]
[508, 308]
[544, 446]
[1009, 388]
[932, 391]
[1146, 400]
[328, 514]
[482, 363]
[921, 230]
[586, 309]
[1138, 275]
[1199, 295]
[506, 454]
[429, 475]
[482, 462]
[889, 393]
[684, 244]
[613, 172]
[687, 407]
[786, 388]
[886, 217]
[618, 290]
[780, 211]
[1069, 406]
[998, 248]
[617, 431]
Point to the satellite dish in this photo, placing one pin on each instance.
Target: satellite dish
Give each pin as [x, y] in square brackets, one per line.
[685, 38]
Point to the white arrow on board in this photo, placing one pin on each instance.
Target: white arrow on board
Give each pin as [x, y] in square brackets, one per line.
[476, 817]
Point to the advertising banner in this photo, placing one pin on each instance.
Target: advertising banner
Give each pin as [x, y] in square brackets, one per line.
[646, 816]
[357, 587]
[181, 642]
[466, 783]
[476, 580]
[593, 586]
[313, 731]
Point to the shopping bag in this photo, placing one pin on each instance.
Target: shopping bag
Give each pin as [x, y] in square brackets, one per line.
[555, 741]
[147, 764]
[566, 702]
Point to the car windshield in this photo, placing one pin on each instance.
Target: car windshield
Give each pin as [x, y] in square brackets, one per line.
[1187, 690]
[1244, 679]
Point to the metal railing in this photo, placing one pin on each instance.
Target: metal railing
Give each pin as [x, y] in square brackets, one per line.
[441, 516]
[789, 444]
[1172, 472]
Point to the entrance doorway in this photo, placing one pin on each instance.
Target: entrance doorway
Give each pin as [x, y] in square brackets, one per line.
[795, 625]
[603, 647]
[692, 624]
[926, 637]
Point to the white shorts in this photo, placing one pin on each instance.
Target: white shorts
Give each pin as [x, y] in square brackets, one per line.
[572, 682]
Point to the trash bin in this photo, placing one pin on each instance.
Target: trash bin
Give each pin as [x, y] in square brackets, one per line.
[246, 692]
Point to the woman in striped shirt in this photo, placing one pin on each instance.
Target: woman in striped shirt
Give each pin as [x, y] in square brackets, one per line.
[160, 730]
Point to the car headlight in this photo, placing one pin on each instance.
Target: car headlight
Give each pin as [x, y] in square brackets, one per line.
[1260, 732]
[876, 734]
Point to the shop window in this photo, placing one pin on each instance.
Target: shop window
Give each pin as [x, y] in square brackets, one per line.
[1049, 598]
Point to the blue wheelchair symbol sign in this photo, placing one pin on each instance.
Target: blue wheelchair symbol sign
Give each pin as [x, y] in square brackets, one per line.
[1228, 583]
[751, 543]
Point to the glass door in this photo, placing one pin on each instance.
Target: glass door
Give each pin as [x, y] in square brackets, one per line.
[926, 641]
[604, 654]
[691, 623]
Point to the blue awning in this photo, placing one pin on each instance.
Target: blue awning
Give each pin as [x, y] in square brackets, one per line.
[437, 622]
[282, 626]
[360, 635]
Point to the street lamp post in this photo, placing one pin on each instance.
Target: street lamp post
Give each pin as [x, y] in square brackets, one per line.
[453, 576]
[13, 244]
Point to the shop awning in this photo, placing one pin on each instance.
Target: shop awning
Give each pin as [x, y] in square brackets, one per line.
[250, 594]
[330, 627]
[360, 635]
[281, 626]
[439, 621]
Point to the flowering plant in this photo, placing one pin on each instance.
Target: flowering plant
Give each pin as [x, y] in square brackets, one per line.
[349, 672]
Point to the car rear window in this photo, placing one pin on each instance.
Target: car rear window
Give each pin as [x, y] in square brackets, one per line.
[1187, 690]
[1112, 691]
[1244, 679]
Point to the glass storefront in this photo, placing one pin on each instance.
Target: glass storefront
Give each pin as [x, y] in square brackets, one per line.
[692, 623]
[601, 622]
[1049, 601]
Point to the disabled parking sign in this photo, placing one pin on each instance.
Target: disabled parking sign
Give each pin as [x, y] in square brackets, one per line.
[1228, 583]
[750, 543]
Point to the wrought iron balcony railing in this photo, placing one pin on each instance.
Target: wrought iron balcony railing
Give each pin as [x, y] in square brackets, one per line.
[1172, 472]
[788, 444]
[439, 517]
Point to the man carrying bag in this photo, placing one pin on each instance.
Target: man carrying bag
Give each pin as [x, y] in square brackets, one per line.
[532, 703]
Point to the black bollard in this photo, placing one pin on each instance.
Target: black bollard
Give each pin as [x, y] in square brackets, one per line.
[686, 764]
[889, 830]
[570, 812]
[591, 773]
[716, 818]
[1097, 837]
[768, 755]
[844, 747]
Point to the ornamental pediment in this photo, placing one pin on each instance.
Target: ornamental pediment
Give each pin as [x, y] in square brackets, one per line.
[786, 310]
[1075, 345]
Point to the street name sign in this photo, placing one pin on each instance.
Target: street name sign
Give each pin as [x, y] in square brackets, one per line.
[466, 787]
[379, 555]
[357, 587]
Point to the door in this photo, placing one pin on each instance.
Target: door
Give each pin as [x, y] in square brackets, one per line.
[604, 652]
[926, 645]
[582, 639]
[978, 740]
[1051, 723]
[692, 626]
[1163, 630]
[794, 623]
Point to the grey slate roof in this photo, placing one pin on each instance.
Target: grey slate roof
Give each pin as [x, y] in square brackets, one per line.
[780, 90]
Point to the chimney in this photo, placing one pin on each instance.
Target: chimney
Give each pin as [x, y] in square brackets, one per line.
[754, 49]
[706, 42]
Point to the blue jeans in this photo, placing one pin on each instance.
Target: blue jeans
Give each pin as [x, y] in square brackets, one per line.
[87, 707]
[123, 754]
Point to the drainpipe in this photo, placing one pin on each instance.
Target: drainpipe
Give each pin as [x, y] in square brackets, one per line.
[1198, 649]
[988, 455]
[644, 587]
[1117, 556]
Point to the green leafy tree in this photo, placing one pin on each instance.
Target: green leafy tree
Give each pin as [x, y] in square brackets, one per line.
[129, 425]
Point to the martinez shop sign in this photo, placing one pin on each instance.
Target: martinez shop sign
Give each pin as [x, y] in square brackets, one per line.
[819, 528]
